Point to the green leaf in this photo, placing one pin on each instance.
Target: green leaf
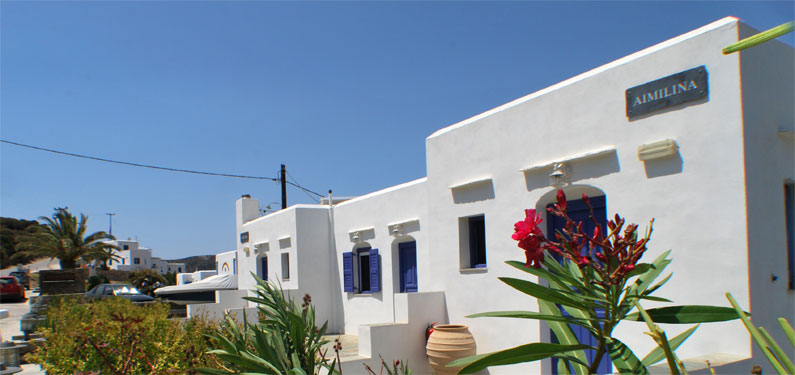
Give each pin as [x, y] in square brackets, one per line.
[688, 314]
[658, 354]
[759, 38]
[623, 359]
[551, 275]
[639, 269]
[531, 315]
[782, 357]
[657, 266]
[653, 298]
[564, 334]
[541, 292]
[654, 287]
[788, 331]
[760, 341]
[519, 354]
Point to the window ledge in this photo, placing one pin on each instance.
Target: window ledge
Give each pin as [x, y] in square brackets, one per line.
[364, 294]
[286, 279]
[473, 270]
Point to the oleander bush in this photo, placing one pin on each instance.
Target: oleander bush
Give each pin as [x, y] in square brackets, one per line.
[594, 281]
[114, 336]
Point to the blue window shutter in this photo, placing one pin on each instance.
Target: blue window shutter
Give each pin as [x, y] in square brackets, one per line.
[375, 272]
[347, 271]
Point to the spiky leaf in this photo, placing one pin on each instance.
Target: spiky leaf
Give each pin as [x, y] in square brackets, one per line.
[688, 314]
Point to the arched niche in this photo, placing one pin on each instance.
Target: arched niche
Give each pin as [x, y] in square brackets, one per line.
[573, 192]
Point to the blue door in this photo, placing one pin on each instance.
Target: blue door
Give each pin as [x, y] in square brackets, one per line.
[579, 212]
[407, 252]
[264, 268]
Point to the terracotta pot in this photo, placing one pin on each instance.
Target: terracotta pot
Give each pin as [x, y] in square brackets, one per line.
[447, 343]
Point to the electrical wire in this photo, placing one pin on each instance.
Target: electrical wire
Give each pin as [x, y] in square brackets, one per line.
[305, 191]
[137, 164]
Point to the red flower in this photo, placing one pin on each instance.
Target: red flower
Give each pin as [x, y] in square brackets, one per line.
[528, 226]
[533, 257]
[429, 330]
[561, 200]
[530, 238]
[601, 257]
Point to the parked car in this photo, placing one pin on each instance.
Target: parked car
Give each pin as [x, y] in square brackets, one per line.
[10, 288]
[119, 290]
[23, 278]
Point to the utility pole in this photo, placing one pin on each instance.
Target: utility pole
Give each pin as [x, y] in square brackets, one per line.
[110, 218]
[284, 187]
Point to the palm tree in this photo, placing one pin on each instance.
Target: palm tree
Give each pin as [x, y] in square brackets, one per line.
[63, 237]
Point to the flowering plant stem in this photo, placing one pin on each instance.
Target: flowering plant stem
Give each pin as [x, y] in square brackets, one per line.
[674, 364]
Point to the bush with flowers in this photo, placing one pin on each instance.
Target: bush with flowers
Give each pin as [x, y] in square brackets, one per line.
[595, 280]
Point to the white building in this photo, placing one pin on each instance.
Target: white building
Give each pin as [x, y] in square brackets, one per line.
[133, 257]
[225, 264]
[718, 167]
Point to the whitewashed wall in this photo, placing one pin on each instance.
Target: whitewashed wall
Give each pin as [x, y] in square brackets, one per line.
[371, 216]
[767, 103]
[309, 256]
[226, 263]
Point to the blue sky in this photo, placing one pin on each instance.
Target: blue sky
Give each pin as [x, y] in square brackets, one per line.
[343, 93]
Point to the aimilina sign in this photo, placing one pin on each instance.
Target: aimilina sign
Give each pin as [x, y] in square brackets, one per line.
[668, 91]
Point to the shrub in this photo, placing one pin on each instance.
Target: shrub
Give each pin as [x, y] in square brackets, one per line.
[96, 280]
[147, 280]
[171, 278]
[114, 336]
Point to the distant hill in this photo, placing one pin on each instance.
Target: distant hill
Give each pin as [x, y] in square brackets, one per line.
[197, 263]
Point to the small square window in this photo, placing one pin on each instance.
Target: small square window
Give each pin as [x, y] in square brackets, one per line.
[472, 241]
[285, 266]
[126, 247]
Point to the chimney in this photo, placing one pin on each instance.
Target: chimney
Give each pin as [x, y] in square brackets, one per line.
[246, 209]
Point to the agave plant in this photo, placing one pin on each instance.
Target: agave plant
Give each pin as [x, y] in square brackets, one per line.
[64, 238]
[285, 341]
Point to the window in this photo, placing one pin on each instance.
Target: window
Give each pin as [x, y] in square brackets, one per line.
[263, 268]
[122, 260]
[136, 260]
[407, 266]
[472, 241]
[789, 210]
[126, 247]
[179, 269]
[286, 266]
[361, 270]
[234, 266]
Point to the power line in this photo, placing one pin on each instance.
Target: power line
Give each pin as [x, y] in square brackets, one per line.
[140, 165]
[305, 191]
[158, 167]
